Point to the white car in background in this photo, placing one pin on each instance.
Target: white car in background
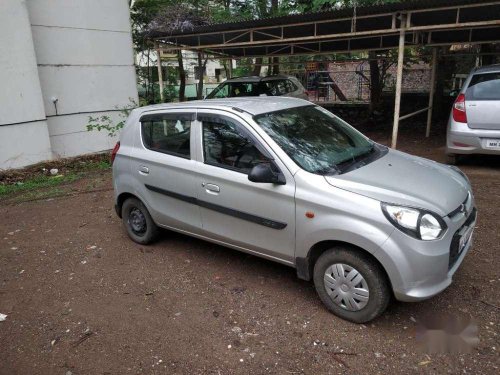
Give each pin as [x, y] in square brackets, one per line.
[277, 85]
[474, 125]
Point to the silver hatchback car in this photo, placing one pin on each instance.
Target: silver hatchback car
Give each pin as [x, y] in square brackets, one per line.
[474, 125]
[289, 181]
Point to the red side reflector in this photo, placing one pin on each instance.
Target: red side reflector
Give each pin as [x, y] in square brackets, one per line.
[459, 114]
[458, 144]
[115, 151]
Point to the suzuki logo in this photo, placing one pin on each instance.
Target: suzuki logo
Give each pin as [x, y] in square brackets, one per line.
[463, 209]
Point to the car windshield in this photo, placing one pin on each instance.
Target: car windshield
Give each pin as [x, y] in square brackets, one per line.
[315, 139]
[236, 89]
[269, 87]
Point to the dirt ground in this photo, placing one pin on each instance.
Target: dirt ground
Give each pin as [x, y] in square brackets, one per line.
[81, 298]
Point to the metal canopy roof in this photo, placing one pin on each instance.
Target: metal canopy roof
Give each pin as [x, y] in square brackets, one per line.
[428, 22]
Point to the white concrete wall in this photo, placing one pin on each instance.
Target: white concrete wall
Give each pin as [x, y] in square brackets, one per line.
[24, 137]
[85, 60]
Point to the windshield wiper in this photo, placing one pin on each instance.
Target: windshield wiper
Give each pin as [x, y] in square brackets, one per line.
[348, 164]
[328, 171]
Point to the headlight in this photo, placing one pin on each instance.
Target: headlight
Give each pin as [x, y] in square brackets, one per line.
[421, 224]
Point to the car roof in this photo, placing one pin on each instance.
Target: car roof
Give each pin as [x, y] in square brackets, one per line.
[488, 69]
[256, 78]
[251, 105]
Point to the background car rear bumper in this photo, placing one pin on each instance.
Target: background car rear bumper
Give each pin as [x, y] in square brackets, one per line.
[461, 139]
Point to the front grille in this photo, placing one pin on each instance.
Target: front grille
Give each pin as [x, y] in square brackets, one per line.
[460, 208]
[455, 251]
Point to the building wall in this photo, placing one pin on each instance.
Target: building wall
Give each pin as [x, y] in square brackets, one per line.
[76, 52]
[24, 136]
[85, 61]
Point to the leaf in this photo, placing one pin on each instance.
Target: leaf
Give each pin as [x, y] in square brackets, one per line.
[424, 363]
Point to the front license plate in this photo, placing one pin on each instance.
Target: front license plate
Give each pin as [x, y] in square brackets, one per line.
[464, 240]
[493, 143]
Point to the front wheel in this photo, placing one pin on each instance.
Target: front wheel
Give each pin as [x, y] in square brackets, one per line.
[138, 223]
[351, 284]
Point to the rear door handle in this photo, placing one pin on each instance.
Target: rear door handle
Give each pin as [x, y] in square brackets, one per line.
[143, 169]
[211, 188]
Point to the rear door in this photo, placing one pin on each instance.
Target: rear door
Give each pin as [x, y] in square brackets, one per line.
[482, 99]
[255, 216]
[163, 164]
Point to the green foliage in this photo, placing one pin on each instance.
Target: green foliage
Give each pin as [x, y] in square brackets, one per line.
[45, 185]
[37, 182]
[241, 71]
[336, 4]
[105, 122]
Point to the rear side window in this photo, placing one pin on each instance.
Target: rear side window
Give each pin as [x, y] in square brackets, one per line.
[280, 87]
[484, 87]
[167, 133]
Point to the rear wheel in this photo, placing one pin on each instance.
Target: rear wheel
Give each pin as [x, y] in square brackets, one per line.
[351, 284]
[138, 223]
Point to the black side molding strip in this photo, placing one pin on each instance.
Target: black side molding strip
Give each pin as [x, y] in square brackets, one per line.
[223, 210]
[171, 194]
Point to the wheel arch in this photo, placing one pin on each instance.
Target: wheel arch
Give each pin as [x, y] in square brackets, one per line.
[121, 199]
[305, 266]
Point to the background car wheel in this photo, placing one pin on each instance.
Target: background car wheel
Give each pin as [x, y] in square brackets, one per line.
[453, 159]
[138, 223]
[351, 284]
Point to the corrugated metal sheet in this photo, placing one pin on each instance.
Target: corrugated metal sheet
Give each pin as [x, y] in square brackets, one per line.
[408, 5]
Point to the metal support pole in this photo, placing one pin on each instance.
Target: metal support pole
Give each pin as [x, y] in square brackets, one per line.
[431, 92]
[230, 68]
[399, 80]
[160, 73]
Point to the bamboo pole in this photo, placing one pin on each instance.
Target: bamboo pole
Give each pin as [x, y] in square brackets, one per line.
[399, 81]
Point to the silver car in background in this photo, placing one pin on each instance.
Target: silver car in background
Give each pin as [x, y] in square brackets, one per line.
[474, 125]
[277, 85]
[289, 181]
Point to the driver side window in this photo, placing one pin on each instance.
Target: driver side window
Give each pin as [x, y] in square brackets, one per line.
[226, 145]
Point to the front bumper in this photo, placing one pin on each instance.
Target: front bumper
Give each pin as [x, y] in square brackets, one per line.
[422, 269]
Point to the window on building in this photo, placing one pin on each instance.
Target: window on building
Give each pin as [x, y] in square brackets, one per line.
[197, 72]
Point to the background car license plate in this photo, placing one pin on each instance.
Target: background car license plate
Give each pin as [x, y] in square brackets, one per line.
[493, 143]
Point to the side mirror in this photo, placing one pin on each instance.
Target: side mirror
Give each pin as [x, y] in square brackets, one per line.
[266, 173]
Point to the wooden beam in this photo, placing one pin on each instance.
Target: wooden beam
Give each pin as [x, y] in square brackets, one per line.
[431, 92]
[414, 113]
[160, 73]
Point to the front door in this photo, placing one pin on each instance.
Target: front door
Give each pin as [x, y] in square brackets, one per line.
[259, 217]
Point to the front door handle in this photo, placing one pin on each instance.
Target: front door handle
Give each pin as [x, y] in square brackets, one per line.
[143, 169]
[211, 188]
